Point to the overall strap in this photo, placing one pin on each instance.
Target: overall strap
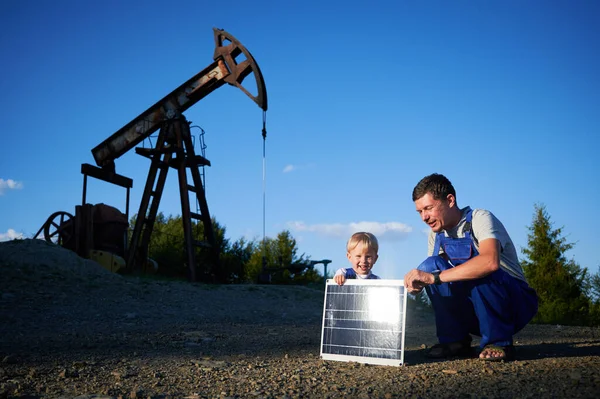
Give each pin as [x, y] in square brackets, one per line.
[436, 245]
[350, 273]
[467, 230]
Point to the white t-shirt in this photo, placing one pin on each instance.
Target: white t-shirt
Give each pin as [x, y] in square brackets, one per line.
[485, 225]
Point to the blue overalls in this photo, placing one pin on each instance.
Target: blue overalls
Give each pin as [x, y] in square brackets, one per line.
[494, 307]
[351, 274]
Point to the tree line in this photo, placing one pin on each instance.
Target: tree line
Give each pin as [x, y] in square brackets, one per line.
[275, 260]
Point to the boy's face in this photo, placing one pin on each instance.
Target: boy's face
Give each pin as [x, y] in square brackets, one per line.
[361, 259]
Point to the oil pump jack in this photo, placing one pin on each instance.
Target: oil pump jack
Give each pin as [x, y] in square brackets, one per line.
[174, 148]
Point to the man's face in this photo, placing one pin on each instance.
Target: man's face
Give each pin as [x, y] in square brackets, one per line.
[361, 259]
[435, 213]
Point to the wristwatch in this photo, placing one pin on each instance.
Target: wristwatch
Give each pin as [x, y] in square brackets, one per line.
[436, 277]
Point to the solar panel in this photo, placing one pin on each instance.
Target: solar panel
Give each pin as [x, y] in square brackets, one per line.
[363, 321]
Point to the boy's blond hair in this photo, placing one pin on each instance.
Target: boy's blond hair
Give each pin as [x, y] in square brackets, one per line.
[367, 239]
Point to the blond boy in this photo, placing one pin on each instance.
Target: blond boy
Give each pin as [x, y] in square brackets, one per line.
[361, 251]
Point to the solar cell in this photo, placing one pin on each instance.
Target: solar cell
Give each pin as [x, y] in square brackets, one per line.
[363, 321]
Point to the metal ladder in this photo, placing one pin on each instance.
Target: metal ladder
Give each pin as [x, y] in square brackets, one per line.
[174, 149]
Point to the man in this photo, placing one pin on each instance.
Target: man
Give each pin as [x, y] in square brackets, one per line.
[472, 276]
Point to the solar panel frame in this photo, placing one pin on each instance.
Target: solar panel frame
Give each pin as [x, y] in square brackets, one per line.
[364, 321]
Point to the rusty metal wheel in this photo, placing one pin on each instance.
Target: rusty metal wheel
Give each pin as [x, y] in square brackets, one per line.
[59, 227]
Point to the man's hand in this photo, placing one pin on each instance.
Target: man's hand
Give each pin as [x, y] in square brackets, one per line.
[340, 279]
[415, 280]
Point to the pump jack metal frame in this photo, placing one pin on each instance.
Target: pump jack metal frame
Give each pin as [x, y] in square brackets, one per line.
[174, 149]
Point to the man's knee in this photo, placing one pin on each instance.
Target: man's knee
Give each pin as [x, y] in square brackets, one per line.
[433, 263]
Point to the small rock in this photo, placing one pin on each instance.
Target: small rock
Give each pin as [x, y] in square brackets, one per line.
[449, 371]
[135, 394]
[575, 375]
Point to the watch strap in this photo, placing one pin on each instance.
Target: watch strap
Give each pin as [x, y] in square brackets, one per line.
[436, 277]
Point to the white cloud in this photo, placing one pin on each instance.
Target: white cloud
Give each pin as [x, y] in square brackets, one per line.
[9, 184]
[10, 235]
[383, 231]
[290, 168]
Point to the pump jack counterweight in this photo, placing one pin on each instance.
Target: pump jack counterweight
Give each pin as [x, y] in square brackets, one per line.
[224, 69]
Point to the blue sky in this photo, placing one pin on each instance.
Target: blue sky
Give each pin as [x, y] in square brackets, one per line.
[365, 98]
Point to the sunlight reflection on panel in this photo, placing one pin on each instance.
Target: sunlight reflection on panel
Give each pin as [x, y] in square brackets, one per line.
[383, 304]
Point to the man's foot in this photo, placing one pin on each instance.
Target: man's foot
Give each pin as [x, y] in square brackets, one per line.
[496, 353]
[459, 348]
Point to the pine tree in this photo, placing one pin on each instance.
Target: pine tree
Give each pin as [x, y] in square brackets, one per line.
[595, 297]
[559, 283]
[595, 287]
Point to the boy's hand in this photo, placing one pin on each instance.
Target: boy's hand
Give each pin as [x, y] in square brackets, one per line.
[339, 279]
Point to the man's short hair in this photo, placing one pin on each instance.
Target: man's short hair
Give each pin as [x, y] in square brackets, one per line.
[435, 184]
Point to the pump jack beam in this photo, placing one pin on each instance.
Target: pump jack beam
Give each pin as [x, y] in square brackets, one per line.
[224, 69]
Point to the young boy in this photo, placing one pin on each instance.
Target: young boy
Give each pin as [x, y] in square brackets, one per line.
[362, 251]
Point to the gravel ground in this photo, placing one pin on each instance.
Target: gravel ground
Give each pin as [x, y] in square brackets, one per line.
[71, 329]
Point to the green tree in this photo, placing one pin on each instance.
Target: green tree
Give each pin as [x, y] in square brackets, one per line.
[559, 282]
[210, 269]
[594, 294]
[279, 258]
[167, 248]
[594, 287]
[235, 257]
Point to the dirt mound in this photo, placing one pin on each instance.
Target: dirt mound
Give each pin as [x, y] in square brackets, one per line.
[33, 260]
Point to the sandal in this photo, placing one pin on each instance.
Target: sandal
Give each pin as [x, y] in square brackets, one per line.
[506, 353]
[451, 349]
